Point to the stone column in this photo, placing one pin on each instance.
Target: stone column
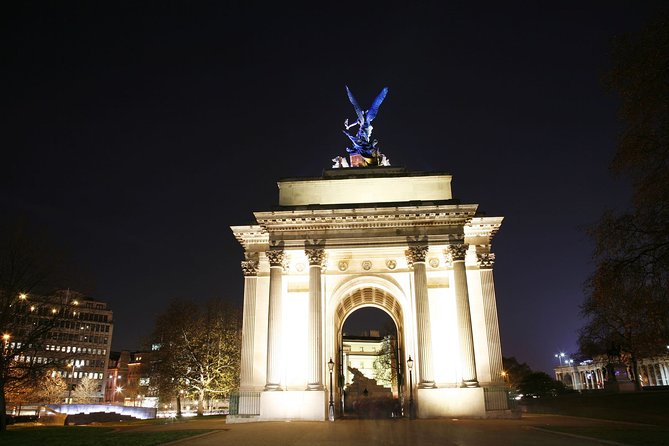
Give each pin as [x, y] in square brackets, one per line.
[416, 258]
[467, 357]
[250, 268]
[486, 261]
[274, 317]
[315, 333]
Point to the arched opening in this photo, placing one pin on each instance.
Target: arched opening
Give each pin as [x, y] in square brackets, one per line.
[369, 326]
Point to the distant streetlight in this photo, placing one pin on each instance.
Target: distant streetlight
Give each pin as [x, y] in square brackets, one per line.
[331, 406]
[69, 394]
[5, 338]
[410, 366]
[560, 356]
[118, 390]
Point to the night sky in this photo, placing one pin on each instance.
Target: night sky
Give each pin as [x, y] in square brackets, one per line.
[138, 134]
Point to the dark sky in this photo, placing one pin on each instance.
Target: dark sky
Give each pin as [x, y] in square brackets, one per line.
[138, 133]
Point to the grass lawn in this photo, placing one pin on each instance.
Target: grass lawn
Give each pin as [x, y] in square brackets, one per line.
[634, 435]
[637, 407]
[88, 436]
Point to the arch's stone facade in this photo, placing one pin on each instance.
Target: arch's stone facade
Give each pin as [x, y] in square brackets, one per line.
[335, 245]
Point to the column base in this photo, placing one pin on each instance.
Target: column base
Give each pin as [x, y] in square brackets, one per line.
[427, 385]
[273, 387]
[315, 386]
[293, 405]
[451, 402]
[470, 383]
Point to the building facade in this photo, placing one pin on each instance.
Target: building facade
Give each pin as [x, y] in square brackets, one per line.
[129, 379]
[592, 373]
[380, 237]
[79, 344]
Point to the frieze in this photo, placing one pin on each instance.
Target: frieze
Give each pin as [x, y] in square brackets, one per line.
[391, 263]
[342, 265]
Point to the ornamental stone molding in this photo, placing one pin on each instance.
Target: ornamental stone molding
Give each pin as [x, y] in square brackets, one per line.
[316, 256]
[342, 265]
[486, 260]
[366, 265]
[457, 252]
[416, 254]
[276, 257]
[391, 264]
[250, 267]
[434, 262]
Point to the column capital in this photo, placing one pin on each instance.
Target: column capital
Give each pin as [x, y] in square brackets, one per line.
[455, 253]
[250, 267]
[485, 260]
[276, 257]
[316, 256]
[416, 253]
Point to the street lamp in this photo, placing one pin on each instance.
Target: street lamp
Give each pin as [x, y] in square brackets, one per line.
[331, 406]
[5, 338]
[410, 366]
[69, 394]
[560, 356]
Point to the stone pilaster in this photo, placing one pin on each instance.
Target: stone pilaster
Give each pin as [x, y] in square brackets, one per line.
[315, 333]
[250, 269]
[486, 261]
[467, 357]
[274, 325]
[416, 258]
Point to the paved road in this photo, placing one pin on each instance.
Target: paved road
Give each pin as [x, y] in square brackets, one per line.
[387, 432]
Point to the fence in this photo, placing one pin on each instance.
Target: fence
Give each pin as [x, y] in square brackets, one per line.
[244, 402]
[496, 398]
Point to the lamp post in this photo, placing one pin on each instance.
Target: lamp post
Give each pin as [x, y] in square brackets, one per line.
[410, 366]
[69, 393]
[560, 356]
[331, 405]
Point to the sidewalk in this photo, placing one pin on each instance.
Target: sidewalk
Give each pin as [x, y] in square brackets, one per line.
[521, 432]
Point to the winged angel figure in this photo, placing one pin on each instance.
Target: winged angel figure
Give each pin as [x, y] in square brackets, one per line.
[362, 143]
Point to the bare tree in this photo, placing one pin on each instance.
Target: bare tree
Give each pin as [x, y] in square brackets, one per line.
[86, 391]
[627, 307]
[199, 350]
[27, 265]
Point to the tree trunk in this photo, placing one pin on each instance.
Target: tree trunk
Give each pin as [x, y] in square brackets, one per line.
[200, 403]
[635, 371]
[178, 405]
[3, 408]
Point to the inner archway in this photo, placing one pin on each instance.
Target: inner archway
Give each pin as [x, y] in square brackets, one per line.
[369, 324]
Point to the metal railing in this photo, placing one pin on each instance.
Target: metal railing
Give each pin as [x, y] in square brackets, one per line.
[245, 402]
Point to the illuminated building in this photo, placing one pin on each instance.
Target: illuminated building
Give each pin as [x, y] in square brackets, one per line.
[592, 374]
[380, 237]
[129, 379]
[78, 346]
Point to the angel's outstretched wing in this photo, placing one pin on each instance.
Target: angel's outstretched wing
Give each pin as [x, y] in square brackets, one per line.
[374, 109]
[356, 106]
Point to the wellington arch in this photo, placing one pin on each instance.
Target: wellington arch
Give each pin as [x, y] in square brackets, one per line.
[374, 236]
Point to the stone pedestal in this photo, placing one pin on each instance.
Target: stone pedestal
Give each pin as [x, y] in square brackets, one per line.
[293, 405]
[453, 402]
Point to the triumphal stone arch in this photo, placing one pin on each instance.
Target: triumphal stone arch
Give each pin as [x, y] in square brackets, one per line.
[368, 234]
